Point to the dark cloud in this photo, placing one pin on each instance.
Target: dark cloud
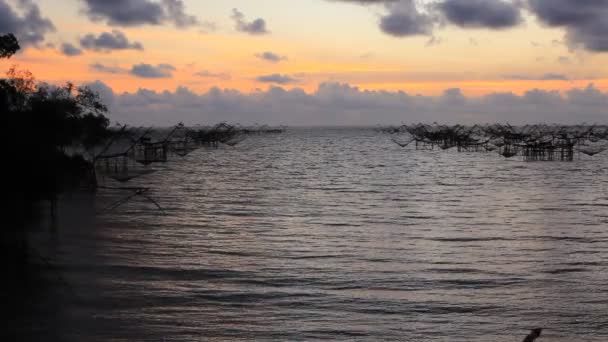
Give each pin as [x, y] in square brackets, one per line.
[140, 12]
[256, 27]
[125, 12]
[586, 22]
[108, 41]
[209, 74]
[176, 12]
[271, 57]
[343, 104]
[26, 23]
[492, 14]
[144, 70]
[276, 78]
[70, 50]
[107, 69]
[567, 12]
[404, 19]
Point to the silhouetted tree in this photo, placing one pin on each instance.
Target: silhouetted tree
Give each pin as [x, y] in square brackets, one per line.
[46, 131]
[8, 45]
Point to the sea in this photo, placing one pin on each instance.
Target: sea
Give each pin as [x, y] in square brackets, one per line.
[330, 234]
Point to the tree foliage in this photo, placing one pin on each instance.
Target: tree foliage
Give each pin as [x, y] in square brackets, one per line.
[41, 123]
[8, 45]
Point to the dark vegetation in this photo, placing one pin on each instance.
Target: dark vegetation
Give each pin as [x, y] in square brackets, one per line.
[533, 142]
[58, 140]
[39, 123]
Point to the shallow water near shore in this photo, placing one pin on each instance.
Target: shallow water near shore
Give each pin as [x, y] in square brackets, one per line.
[337, 234]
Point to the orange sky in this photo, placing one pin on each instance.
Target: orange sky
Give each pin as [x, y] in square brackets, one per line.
[345, 45]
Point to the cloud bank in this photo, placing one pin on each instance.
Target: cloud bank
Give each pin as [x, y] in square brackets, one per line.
[342, 104]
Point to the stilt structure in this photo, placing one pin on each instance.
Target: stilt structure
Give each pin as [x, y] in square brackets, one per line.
[531, 142]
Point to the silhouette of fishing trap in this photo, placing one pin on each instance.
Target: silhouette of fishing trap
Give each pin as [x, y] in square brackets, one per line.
[133, 153]
[120, 157]
[133, 192]
[532, 142]
[125, 158]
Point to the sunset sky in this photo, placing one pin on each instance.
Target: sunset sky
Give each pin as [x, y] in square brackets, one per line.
[472, 48]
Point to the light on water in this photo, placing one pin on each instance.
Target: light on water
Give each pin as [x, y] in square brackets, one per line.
[341, 234]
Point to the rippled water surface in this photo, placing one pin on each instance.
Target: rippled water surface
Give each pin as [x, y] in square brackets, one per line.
[340, 234]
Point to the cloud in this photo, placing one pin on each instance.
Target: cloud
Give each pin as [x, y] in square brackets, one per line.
[404, 19]
[27, 24]
[492, 14]
[545, 77]
[276, 78]
[408, 18]
[144, 70]
[108, 41]
[453, 96]
[176, 12]
[343, 104]
[125, 12]
[270, 57]
[107, 69]
[70, 50]
[256, 27]
[140, 12]
[585, 22]
[208, 74]
[141, 70]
